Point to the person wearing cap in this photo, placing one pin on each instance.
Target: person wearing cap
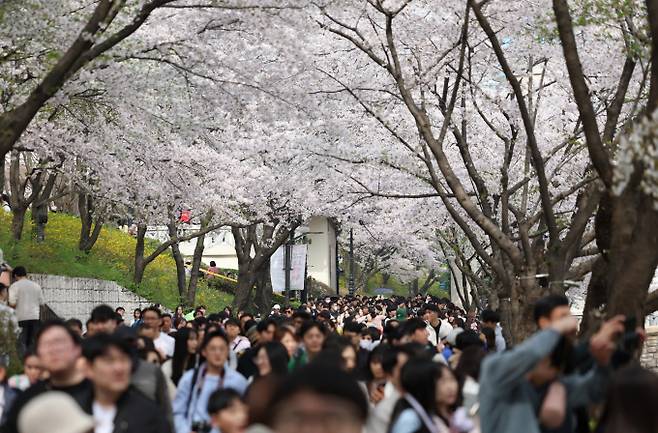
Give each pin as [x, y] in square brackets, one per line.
[115, 406]
[54, 412]
[276, 310]
[59, 350]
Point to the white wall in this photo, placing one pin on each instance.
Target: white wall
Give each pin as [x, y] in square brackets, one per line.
[75, 297]
[219, 245]
[321, 261]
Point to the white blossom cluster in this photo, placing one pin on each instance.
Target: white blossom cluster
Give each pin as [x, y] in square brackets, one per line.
[638, 151]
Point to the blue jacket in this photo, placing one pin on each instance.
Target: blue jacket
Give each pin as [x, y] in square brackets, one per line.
[509, 402]
[197, 394]
[10, 395]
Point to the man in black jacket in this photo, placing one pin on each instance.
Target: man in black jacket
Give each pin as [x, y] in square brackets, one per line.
[115, 406]
[58, 349]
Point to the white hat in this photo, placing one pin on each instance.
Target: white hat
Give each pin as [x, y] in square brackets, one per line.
[452, 337]
[445, 329]
[276, 307]
[54, 412]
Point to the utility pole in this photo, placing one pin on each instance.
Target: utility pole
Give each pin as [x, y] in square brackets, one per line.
[351, 288]
[287, 265]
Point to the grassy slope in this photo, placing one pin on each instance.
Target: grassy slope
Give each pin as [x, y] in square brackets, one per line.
[110, 259]
[402, 289]
[399, 288]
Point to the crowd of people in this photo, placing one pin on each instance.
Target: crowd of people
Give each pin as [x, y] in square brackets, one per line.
[339, 365]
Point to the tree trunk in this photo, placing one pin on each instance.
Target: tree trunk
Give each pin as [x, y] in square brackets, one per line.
[263, 295]
[180, 262]
[196, 265]
[140, 263]
[413, 287]
[429, 281]
[596, 298]
[86, 47]
[633, 254]
[17, 222]
[39, 221]
[517, 306]
[89, 232]
[243, 293]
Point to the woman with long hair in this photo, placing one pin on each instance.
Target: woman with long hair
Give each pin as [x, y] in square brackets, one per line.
[190, 407]
[185, 354]
[272, 358]
[287, 337]
[375, 375]
[179, 313]
[272, 363]
[432, 395]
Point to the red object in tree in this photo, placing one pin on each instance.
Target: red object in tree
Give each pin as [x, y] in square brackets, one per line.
[185, 216]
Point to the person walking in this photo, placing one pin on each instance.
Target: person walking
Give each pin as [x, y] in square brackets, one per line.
[58, 349]
[152, 318]
[195, 387]
[26, 297]
[115, 406]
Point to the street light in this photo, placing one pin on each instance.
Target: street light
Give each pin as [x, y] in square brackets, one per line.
[351, 288]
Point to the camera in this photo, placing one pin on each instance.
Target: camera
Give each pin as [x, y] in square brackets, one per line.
[630, 340]
[201, 427]
[627, 344]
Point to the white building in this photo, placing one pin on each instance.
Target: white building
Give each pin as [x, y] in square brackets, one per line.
[318, 233]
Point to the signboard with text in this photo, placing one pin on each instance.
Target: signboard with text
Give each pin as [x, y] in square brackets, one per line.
[297, 273]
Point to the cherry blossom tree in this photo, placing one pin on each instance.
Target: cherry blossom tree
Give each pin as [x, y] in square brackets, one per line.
[502, 152]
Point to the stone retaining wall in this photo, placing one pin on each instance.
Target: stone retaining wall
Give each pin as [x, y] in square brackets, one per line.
[649, 356]
[75, 297]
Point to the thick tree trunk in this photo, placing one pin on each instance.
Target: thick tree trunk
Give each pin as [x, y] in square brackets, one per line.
[196, 265]
[633, 254]
[140, 263]
[517, 306]
[180, 262]
[243, 293]
[17, 222]
[263, 295]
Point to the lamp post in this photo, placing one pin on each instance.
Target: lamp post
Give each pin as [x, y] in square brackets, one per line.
[287, 265]
[351, 288]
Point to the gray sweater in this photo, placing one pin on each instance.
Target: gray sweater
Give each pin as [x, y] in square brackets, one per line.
[509, 402]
